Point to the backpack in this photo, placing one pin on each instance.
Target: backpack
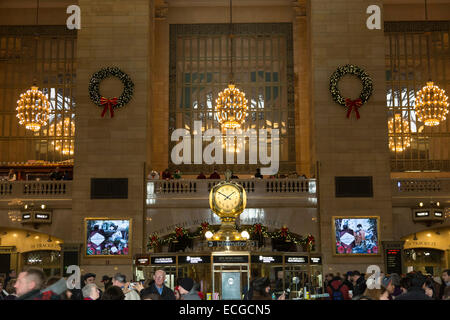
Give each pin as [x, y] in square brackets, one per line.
[336, 293]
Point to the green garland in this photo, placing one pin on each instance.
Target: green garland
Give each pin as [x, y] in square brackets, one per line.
[255, 231]
[99, 76]
[356, 71]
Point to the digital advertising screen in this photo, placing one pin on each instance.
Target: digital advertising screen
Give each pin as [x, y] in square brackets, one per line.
[108, 237]
[356, 235]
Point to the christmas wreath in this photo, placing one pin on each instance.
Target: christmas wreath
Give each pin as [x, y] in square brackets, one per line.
[106, 103]
[351, 105]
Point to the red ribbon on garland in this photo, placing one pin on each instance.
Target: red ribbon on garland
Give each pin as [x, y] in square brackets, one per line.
[109, 104]
[179, 232]
[205, 226]
[258, 228]
[284, 232]
[353, 105]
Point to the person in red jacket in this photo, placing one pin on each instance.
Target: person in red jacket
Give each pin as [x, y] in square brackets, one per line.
[338, 290]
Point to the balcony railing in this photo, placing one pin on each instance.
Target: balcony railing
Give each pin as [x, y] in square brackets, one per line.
[202, 187]
[33, 189]
[420, 186]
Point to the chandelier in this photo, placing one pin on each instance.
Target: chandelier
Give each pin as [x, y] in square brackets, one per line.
[66, 130]
[398, 126]
[231, 107]
[33, 109]
[431, 105]
[431, 102]
[231, 104]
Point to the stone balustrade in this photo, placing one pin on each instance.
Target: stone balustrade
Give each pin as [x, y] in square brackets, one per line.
[202, 187]
[420, 186]
[35, 189]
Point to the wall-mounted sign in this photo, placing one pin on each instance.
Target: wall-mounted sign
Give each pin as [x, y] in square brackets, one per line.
[26, 216]
[142, 261]
[164, 260]
[394, 261]
[37, 217]
[421, 214]
[296, 259]
[194, 259]
[315, 260]
[230, 243]
[230, 259]
[267, 259]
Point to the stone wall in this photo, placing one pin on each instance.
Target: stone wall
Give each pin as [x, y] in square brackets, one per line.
[113, 33]
[349, 147]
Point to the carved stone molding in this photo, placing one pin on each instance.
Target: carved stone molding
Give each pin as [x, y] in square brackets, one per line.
[299, 8]
[161, 12]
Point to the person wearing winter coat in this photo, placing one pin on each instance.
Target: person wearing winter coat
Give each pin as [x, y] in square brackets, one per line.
[187, 290]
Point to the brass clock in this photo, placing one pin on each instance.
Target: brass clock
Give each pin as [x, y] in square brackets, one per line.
[228, 200]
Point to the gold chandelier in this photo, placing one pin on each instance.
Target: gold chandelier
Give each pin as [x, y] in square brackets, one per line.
[66, 145]
[431, 102]
[231, 104]
[399, 126]
[431, 105]
[33, 109]
[231, 107]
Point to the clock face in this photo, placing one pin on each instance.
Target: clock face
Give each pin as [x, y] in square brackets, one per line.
[227, 198]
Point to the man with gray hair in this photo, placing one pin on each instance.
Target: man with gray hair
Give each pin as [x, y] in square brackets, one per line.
[158, 287]
[120, 280]
[90, 292]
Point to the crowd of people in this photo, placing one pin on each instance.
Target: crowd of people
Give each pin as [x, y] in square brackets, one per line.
[56, 174]
[412, 286]
[32, 284]
[168, 175]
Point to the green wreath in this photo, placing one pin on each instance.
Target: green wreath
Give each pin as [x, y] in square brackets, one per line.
[347, 102]
[111, 104]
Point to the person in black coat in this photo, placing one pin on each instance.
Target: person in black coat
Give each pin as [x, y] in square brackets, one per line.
[359, 284]
[158, 287]
[416, 291]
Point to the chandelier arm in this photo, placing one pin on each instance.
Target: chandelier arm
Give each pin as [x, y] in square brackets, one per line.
[428, 33]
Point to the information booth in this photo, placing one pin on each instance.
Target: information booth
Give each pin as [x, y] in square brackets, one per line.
[225, 275]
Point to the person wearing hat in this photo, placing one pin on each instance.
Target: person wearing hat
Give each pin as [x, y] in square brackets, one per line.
[387, 288]
[120, 280]
[187, 290]
[107, 282]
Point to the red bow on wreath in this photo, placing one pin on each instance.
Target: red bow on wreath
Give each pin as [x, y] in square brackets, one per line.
[311, 239]
[154, 239]
[109, 104]
[353, 105]
[284, 232]
[179, 232]
[205, 226]
[258, 229]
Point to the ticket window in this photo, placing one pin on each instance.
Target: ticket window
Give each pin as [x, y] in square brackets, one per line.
[230, 281]
[297, 277]
[317, 278]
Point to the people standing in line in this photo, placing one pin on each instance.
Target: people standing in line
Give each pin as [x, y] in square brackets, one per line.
[201, 175]
[120, 281]
[187, 290]
[56, 174]
[158, 287]
[214, 175]
[359, 284]
[113, 293]
[3, 293]
[417, 289]
[11, 275]
[338, 290]
[11, 290]
[347, 280]
[258, 174]
[107, 281]
[387, 289]
[91, 292]
[166, 175]
[261, 290]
